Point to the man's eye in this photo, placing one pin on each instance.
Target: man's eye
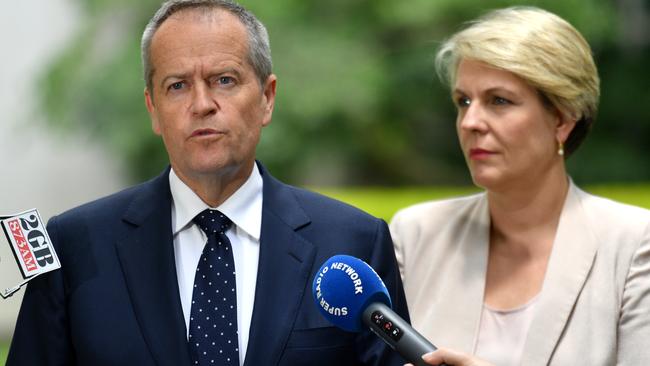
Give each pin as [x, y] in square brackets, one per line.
[226, 80]
[177, 85]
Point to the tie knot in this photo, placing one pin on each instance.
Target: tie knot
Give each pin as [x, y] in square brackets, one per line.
[212, 221]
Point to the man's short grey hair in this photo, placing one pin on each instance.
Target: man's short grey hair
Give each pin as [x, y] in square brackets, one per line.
[259, 48]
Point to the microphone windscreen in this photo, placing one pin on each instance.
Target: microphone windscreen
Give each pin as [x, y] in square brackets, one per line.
[343, 288]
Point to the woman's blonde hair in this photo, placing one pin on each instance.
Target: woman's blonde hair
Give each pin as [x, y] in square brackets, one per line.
[539, 47]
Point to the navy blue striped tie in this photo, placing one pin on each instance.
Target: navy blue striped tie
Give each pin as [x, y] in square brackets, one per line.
[213, 316]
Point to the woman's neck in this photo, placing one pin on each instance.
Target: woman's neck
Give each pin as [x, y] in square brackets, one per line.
[531, 210]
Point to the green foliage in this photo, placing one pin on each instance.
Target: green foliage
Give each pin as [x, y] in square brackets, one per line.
[358, 101]
[4, 350]
[618, 147]
[633, 194]
[384, 202]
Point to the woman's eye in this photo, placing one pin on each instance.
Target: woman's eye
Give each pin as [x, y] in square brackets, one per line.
[463, 102]
[500, 101]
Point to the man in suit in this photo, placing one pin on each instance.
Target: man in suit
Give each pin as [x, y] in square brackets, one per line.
[142, 269]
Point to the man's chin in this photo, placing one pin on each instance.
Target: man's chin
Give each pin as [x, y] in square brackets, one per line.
[212, 168]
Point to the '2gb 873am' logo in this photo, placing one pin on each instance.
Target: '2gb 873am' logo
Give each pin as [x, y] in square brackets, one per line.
[30, 243]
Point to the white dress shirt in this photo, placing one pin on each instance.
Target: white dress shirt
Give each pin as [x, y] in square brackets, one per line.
[244, 209]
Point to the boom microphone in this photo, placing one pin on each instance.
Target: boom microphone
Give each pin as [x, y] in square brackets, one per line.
[352, 296]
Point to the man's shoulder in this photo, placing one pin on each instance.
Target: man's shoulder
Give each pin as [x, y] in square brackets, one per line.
[112, 205]
[283, 198]
[319, 205]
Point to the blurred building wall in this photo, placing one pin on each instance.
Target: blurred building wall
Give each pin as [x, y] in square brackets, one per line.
[51, 173]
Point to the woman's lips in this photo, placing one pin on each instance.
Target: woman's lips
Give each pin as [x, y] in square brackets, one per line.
[479, 154]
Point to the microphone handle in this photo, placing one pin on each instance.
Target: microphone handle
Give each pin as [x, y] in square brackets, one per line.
[397, 333]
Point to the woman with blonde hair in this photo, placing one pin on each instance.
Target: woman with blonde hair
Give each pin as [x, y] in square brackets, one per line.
[533, 271]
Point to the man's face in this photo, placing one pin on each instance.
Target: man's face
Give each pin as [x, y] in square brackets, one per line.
[206, 100]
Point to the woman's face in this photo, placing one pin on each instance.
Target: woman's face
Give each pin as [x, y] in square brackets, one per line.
[507, 134]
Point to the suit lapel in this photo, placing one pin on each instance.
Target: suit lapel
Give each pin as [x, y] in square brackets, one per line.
[147, 259]
[285, 264]
[571, 260]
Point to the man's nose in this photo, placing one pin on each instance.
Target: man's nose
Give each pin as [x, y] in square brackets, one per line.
[204, 103]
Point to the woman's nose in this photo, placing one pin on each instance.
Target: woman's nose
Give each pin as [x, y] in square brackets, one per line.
[472, 118]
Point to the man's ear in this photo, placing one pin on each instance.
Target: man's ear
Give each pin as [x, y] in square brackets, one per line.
[268, 98]
[148, 101]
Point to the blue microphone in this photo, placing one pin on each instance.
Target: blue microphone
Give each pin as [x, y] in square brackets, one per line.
[352, 296]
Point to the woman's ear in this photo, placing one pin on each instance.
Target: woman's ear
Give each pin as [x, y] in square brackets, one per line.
[564, 125]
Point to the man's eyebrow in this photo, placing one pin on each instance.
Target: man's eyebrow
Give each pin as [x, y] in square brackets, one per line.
[173, 76]
[220, 71]
[213, 73]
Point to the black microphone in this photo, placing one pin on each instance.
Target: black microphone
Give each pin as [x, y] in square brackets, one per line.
[350, 294]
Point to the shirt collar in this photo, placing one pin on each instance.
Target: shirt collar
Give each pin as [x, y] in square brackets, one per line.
[243, 208]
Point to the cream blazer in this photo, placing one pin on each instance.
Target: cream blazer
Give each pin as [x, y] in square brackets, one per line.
[594, 307]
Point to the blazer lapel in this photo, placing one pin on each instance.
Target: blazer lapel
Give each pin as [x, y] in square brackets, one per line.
[283, 273]
[457, 314]
[147, 259]
[571, 260]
